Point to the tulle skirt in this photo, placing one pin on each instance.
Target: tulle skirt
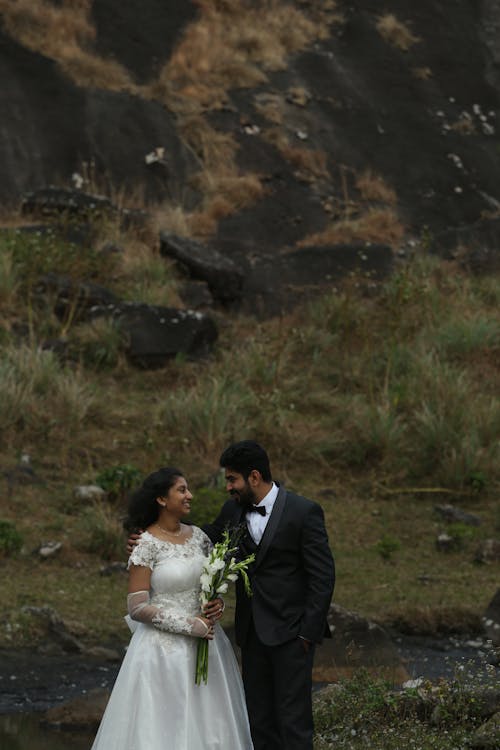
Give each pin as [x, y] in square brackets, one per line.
[155, 704]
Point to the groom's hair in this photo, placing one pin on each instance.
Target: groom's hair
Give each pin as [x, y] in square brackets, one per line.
[246, 456]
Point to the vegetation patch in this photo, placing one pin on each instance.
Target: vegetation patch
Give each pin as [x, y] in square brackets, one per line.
[366, 712]
[396, 32]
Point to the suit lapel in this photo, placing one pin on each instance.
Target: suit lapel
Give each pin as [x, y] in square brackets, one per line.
[272, 525]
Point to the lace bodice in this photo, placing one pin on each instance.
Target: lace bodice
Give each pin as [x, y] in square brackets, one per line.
[175, 577]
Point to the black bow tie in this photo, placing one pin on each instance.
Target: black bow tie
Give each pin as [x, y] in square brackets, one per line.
[257, 509]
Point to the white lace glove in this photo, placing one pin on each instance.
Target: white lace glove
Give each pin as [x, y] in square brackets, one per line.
[141, 610]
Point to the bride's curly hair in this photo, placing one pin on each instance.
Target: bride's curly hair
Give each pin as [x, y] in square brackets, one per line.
[143, 510]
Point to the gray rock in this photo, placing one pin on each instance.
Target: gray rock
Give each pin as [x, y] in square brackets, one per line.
[356, 642]
[276, 283]
[445, 543]
[50, 201]
[223, 276]
[89, 493]
[49, 549]
[456, 515]
[156, 334]
[80, 713]
[488, 551]
[75, 298]
[112, 568]
[487, 737]
[101, 652]
[56, 628]
[196, 295]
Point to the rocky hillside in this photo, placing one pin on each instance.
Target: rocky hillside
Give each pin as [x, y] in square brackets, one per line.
[283, 134]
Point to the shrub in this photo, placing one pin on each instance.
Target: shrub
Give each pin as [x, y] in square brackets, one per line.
[387, 546]
[11, 540]
[366, 711]
[206, 505]
[98, 344]
[212, 412]
[34, 254]
[40, 394]
[395, 32]
[118, 480]
[103, 532]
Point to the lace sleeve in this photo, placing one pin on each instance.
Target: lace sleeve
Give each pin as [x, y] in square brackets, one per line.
[140, 609]
[143, 554]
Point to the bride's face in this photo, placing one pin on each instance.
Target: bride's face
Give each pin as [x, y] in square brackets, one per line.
[178, 499]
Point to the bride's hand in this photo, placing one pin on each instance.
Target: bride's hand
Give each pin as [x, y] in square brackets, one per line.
[213, 609]
[202, 628]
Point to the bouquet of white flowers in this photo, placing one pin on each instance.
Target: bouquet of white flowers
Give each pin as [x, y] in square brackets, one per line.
[220, 568]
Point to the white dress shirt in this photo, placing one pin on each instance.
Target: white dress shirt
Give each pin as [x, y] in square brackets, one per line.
[257, 523]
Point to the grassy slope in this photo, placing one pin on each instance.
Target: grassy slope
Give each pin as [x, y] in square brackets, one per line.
[364, 392]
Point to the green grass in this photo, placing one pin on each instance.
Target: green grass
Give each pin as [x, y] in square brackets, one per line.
[366, 712]
[388, 399]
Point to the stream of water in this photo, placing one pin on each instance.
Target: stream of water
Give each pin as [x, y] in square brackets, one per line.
[24, 732]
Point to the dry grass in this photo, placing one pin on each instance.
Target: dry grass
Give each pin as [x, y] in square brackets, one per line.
[171, 218]
[376, 225]
[422, 73]
[395, 32]
[64, 33]
[374, 188]
[225, 190]
[308, 162]
[225, 195]
[464, 126]
[232, 44]
[270, 106]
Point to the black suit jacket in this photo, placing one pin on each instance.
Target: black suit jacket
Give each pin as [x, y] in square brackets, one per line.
[293, 575]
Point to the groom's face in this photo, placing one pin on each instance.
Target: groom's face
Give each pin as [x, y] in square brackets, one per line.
[239, 488]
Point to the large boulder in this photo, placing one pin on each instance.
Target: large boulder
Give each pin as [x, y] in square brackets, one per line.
[223, 276]
[476, 245]
[156, 334]
[356, 642]
[73, 299]
[71, 203]
[51, 127]
[141, 38]
[276, 283]
[84, 712]
[456, 515]
[57, 632]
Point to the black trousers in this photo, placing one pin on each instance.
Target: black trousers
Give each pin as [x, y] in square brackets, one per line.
[278, 683]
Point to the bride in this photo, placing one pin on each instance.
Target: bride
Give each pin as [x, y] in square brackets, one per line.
[155, 704]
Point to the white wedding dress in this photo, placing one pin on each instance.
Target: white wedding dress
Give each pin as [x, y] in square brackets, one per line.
[155, 704]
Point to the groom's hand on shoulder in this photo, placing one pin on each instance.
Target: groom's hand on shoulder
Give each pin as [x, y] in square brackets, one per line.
[132, 541]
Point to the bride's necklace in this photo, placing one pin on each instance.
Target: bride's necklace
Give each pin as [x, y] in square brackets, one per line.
[171, 533]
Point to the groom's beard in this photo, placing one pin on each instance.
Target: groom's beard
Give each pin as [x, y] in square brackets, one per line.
[245, 497]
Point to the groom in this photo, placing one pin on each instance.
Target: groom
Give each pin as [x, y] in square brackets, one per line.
[292, 582]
